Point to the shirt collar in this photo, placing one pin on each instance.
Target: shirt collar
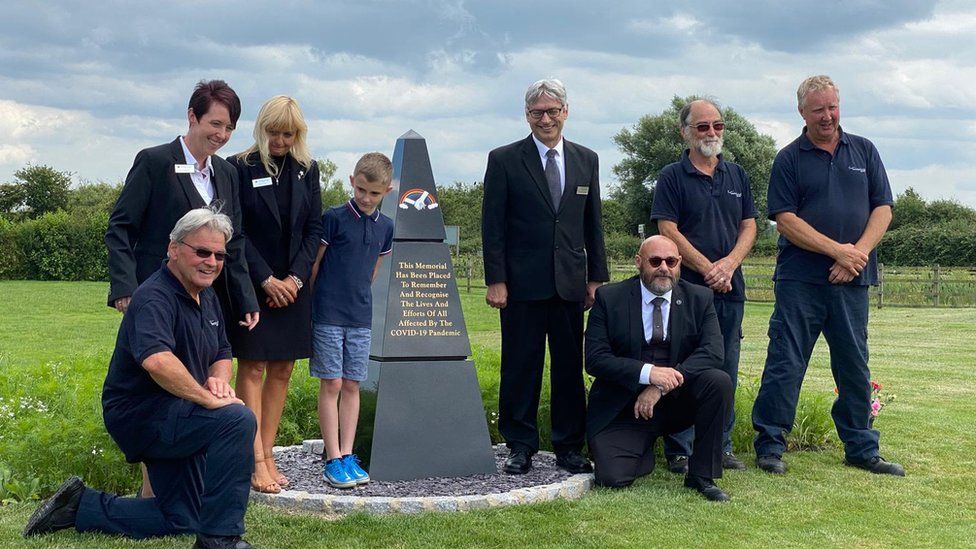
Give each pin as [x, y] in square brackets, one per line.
[807, 145]
[170, 279]
[647, 296]
[543, 149]
[359, 213]
[691, 169]
[207, 166]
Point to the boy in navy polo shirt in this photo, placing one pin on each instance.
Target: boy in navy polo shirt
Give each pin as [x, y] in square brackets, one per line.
[355, 238]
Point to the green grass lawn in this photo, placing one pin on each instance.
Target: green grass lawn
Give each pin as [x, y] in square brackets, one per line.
[923, 355]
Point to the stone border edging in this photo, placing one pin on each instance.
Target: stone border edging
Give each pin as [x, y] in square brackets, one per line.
[572, 488]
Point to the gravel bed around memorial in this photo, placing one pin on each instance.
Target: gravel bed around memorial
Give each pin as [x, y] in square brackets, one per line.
[304, 471]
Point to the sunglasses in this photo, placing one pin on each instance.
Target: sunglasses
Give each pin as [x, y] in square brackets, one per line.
[703, 126]
[655, 262]
[204, 253]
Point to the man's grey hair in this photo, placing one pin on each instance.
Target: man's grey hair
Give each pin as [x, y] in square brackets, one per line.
[549, 87]
[209, 217]
[684, 115]
[817, 83]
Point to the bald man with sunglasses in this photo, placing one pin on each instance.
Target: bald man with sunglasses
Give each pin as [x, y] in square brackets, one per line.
[654, 347]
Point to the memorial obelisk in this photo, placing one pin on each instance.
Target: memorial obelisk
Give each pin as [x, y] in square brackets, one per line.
[421, 412]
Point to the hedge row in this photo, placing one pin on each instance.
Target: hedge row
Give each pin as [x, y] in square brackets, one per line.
[55, 246]
[951, 244]
[70, 246]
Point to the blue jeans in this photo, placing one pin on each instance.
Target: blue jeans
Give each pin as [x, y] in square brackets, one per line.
[730, 322]
[802, 312]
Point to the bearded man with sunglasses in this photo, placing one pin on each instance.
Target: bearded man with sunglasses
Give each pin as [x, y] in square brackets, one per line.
[167, 402]
[704, 204]
[544, 257]
[654, 347]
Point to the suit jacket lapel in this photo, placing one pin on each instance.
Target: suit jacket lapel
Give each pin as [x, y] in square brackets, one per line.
[677, 323]
[189, 190]
[574, 172]
[636, 319]
[530, 157]
[266, 192]
[297, 191]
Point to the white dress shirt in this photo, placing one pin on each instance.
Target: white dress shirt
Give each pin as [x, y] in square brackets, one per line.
[647, 317]
[201, 178]
[543, 150]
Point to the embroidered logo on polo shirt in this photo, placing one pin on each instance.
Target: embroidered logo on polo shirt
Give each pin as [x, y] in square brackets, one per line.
[214, 323]
[735, 194]
[856, 169]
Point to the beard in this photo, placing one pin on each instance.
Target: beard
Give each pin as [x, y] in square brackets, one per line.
[709, 147]
[659, 284]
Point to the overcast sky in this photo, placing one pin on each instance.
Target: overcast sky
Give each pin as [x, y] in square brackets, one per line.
[85, 85]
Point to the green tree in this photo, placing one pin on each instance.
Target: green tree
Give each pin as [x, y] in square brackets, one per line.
[909, 210]
[615, 217]
[94, 198]
[36, 190]
[333, 191]
[461, 206]
[654, 142]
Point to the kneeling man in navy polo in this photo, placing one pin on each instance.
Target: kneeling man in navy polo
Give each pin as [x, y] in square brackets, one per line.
[167, 402]
[830, 198]
[654, 345]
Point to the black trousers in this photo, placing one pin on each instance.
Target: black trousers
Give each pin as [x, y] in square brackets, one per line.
[624, 450]
[526, 325]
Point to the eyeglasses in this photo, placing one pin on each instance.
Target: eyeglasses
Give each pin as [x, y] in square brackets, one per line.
[703, 126]
[204, 253]
[655, 262]
[536, 114]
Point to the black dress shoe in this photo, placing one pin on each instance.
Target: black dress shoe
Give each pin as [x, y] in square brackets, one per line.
[221, 542]
[771, 463]
[706, 487]
[878, 465]
[518, 463]
[58, 511]
[574, 462]
[678, 464]
[729, 461]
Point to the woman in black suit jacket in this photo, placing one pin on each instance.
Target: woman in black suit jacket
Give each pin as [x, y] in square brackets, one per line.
[281, 208]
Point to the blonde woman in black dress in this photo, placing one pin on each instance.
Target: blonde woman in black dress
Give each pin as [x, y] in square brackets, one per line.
[281, 209]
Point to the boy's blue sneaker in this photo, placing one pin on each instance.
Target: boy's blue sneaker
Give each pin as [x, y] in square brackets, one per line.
[357, 473]
[336, 475]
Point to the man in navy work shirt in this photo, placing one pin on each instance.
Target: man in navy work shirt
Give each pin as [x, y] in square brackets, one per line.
[167, 402]
[830, 198]
[704, 204]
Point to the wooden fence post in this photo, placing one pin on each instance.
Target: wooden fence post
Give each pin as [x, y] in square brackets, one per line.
[469, 275]
[881, 275]
[937, 284]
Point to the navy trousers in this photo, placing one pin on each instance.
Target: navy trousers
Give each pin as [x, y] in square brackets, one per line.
[200, 471]
[526, 325]
[802, 312]
[730, 322]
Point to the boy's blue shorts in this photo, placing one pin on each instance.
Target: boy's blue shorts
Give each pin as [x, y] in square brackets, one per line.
[339, 352]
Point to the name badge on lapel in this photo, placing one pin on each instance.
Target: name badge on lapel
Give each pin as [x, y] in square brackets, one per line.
[184, 168]
[263, 182]
[583, 189]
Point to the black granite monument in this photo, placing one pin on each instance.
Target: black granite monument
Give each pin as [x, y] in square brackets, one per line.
[421, 413]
